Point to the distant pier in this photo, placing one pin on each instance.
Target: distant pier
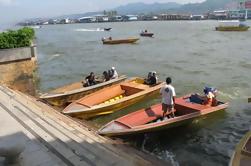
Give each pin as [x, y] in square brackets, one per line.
[44, 137]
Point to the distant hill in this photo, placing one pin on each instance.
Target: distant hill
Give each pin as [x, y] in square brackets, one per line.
[138, 8]
[194, 8]
[171, 7]
[208, 5]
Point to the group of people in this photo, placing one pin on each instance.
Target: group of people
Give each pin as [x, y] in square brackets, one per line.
[110, 74]
[168, 98]
[107, 75]
[151, 79]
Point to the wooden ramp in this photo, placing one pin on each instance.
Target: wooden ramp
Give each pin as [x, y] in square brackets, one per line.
[60, 139]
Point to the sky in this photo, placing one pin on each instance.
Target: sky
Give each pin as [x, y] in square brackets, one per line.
[16, 10]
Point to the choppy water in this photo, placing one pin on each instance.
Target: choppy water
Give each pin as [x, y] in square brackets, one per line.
[191, 52]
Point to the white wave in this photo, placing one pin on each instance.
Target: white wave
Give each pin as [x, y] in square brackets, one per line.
[90, 30]
[56, 55]
[170, 156]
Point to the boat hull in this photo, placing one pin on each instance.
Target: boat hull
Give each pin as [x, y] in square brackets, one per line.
[240, 156]
[84, 111]
[121, 41]
[63, 99]
[132, 124]
[146, 34]
[244, 28]
[113, 108]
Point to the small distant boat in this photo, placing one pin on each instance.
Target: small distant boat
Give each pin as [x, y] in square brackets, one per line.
[35, 26]
[232, 25]
[111, 99]
[107, 29]
[64, 95]
[148, 119]
[242, 153]
[146, 34]
[120, 41]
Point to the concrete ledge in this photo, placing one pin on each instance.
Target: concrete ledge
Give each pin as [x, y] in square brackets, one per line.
[17, 54]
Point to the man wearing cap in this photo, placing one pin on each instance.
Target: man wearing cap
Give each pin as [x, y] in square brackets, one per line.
[168, 97]
[114, 73]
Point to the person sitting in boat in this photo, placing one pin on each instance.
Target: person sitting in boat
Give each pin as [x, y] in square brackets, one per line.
[210, 96]
[110, 38]
[153, 79]
[114, 73]
[106, 76]
[90, 80]
[145, 31]
[147, 80]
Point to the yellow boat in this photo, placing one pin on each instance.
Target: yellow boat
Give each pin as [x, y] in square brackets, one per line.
[120, 41]
[242, 154]
[232, 25]
[64, 95]
[111, 99]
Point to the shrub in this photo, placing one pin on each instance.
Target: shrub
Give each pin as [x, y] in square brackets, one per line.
[15, 39]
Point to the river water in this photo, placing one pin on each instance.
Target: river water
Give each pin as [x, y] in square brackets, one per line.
[191, 52]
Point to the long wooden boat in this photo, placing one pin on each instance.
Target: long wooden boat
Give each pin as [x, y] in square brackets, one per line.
[242, 153]
[150, 119]
[72, 92]
[111, 99]
[146, 34]
[231, 25]
[120, 41]
[239, 28]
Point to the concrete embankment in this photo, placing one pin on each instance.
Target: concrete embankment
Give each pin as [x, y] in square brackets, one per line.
[18, 67]
[44, 136]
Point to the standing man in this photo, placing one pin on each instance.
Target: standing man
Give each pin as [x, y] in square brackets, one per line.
[168, 97]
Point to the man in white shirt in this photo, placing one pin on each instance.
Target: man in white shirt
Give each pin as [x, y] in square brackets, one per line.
[168, 97]
[114, 73]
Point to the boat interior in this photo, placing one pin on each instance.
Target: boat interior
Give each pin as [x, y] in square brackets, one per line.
[111, 94]
[247, 147]
[154, 114]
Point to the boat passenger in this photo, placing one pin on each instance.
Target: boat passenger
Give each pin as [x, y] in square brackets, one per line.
[168, 98]
[210, 96]
[114, 73]
[147, 80]
[153, 79]
[90, 80]
[106, 76]
[110, 38]
[145, 31]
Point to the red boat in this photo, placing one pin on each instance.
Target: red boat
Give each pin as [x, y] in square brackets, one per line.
[146, 34]
[148, 120]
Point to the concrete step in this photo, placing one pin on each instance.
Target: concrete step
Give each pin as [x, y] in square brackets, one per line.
[74, 135]
[52, 143]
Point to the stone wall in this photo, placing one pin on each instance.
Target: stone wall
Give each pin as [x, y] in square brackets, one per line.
[18, 69]
[17, 54]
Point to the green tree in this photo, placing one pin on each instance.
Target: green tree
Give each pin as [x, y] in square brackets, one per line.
[15, 39]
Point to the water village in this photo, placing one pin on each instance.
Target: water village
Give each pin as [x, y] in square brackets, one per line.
[53, 127]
